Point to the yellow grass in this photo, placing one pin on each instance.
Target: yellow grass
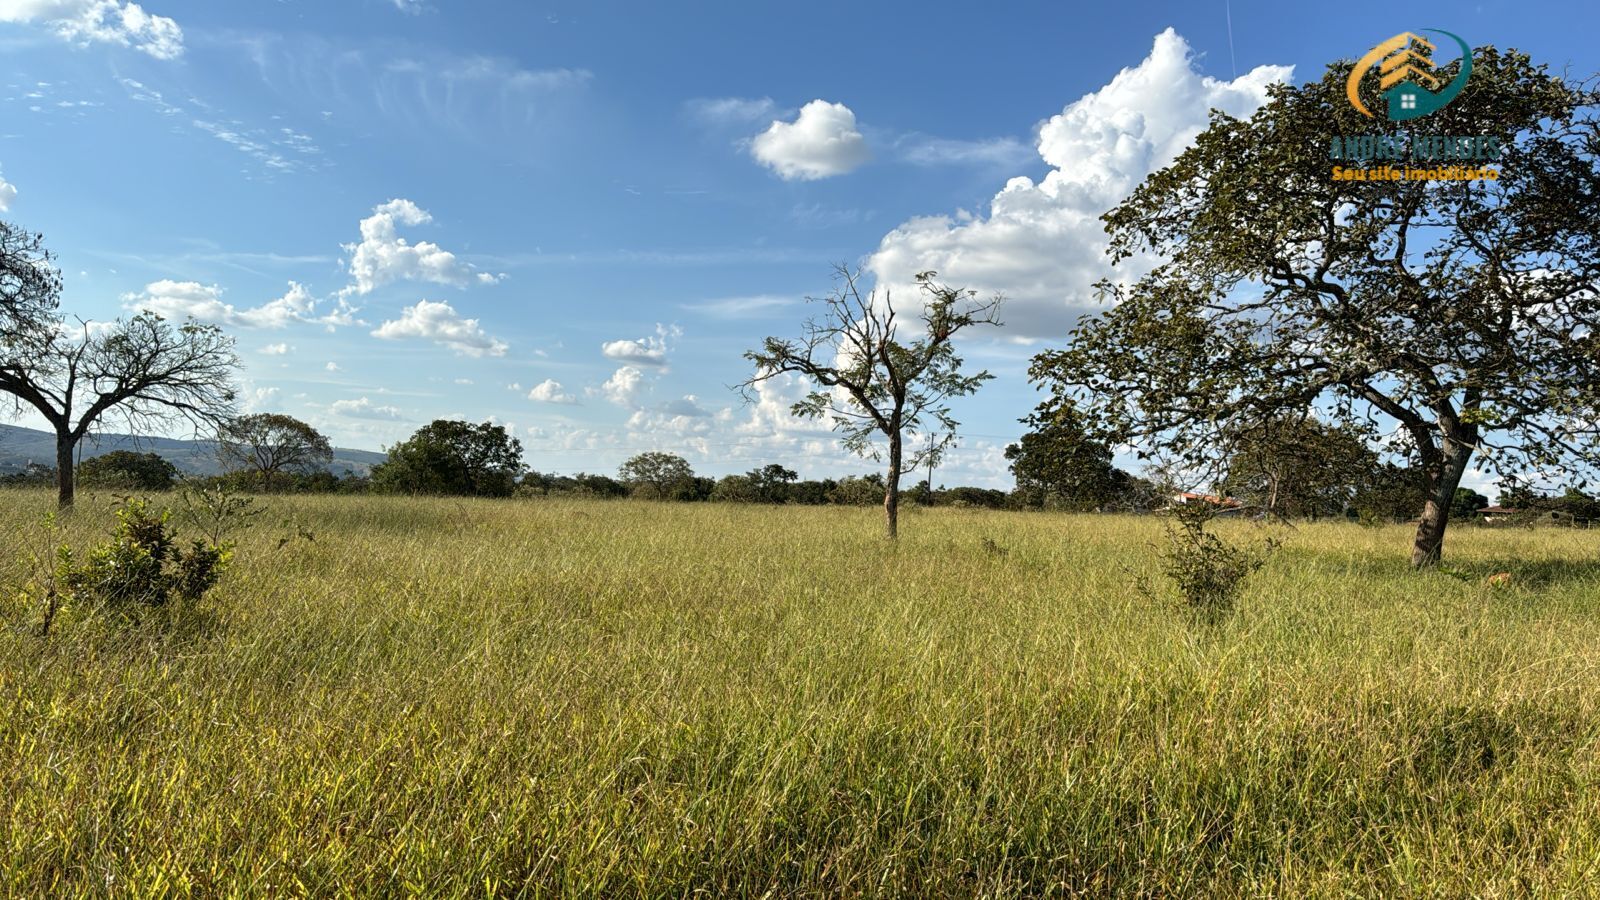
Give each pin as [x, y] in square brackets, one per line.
[541, 698]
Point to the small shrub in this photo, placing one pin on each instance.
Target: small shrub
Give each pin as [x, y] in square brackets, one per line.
[143, 566]
[1207, 570]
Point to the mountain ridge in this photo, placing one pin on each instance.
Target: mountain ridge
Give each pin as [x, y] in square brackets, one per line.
[20, 446]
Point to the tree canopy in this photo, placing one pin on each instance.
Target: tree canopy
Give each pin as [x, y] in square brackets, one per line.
[1459, 316]
[448, 456]
[873, 382]
[271, 443]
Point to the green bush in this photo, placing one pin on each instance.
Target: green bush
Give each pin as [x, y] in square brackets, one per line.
[144, 565]
[1207, 570]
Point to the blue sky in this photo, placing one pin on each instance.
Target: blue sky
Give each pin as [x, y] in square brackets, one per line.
[573, 217]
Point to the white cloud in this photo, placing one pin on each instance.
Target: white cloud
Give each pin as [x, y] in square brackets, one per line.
[740, 307]
[333, 367]
[440, 323]
[465, 381]
[276, 349]
[257, 399]
[646, 351]
[100, 22]
[1043, 244]
[383, 256]
[688, 406]
[926, 151]
[820, 142]
[550, 391]
[8, 195]
[624, 387]
[186, 299]
[365, 409]
[728, 110]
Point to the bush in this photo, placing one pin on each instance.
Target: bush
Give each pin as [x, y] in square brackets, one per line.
[128, 471]
[1207, 571]
[144, 565]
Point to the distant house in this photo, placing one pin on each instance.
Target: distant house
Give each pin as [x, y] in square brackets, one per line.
[1493, 514]
[1184, 498]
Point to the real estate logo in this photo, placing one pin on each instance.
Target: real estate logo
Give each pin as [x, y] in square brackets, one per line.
[1406, 76]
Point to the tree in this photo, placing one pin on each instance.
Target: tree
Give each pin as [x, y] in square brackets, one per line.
[127, 470]
[735, 489]
[448, 456]
[1057, 462]
[873, 384]
[1389, 491]
[1293, 465]
[144, 370]
[30, 290]
[1462, 314]
[658, 476]
[270, 443]
[1466, 503]
[771, 483]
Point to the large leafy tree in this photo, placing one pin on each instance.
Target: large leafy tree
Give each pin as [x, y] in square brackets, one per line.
[1460, 315]
[271, 443]
[1058, 463]
[448, 456]
[127, 470]
[1293, 465]
[872, 381]
[656, 475]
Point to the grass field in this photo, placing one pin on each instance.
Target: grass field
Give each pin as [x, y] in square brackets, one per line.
[535, 698]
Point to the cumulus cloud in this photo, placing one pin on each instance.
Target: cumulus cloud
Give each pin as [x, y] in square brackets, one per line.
[203, 302]
[550, 391]
[624, 387]
[276, 349]
[1043, 244]
[820, 142]
[440, 323]
[383, 256]
[688, 406]
[8, 195]
[646, 351]
[100, 22]
[365, 409]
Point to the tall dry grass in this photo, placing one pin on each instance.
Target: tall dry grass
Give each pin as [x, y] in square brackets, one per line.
[449, 698]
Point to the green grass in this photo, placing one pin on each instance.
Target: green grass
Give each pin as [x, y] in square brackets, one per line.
[609, 699]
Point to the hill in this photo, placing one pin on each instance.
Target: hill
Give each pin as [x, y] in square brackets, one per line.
[20, 446]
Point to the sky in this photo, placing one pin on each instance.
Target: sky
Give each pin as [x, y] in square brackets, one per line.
[572, 218]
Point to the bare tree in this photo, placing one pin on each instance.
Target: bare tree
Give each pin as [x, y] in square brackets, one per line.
[269, 443]
[145, 371]
[30, 288]
[871, 383]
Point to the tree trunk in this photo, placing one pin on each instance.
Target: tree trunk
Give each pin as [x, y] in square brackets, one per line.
[66, 475]
[1428, 549]
[891, 489]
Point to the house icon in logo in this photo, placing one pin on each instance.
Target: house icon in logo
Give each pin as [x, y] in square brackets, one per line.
[1406, 76]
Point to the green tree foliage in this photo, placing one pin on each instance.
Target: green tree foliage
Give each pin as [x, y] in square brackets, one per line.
[1294, 466]
[1466, 503]
[659, 476]
[735, 489]
[1389, 492]
[870, 382]
[449, 456]
[271, 444]
[126, 470]
[772, 483]
[1464, 314]
[1058, 464]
